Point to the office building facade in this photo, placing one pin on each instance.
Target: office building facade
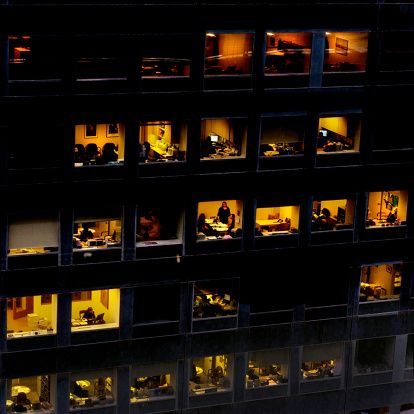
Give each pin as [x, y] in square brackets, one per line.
[206, 208]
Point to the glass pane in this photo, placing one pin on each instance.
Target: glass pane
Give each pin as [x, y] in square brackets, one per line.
[223, 138]
[374, 355]
[154, 387]
[380, 282]
[91, 392]
[333, 215]
[287, 53]
[282, 136]
[339, 133]
[97, 234]
[345, 52]
[397, 51]
[277, 220]
[162, 141]
[387, 208]
[99, 144]
[228, 53]
[219, 220]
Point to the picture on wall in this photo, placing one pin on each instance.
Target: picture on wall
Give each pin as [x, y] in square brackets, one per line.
[341, 46]
[105, 298]
[90, 131]
[112, 130]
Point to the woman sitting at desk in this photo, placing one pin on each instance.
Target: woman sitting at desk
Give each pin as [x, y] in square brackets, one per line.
[88, 314]
[203, 227]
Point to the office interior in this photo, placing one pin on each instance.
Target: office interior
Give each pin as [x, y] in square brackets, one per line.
[381, 282]
[163, 141]
[31, 315]
[228, 53]
[99, 144]
[282, 136]
[211, 374]
[387, 208]
[223, 138]
[271, 221]
[31, 394]
[333, 214]
[92, 389]
[339, 133]
[287, 53]
[105, 304]
[345, 51]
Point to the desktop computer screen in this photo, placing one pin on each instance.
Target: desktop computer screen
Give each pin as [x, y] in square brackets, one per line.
[214, 138]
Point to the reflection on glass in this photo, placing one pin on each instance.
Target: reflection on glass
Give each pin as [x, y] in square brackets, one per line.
[333, 215]
[374, 355]
[287, 53]
[223, 138]
[267, 368]
[148, 385]
[211, 374]
[99, 144]
[31, 315]
[215, 299]
[387, 208]
[282, 136]
[91, 392]
[219, 220]
[162, 67]
[397, 52]
[31, 394]
[380, 282]
[161, 141]
[277, 220]
[339, 133]
[322, 361]
[345, 52]
[228, 53]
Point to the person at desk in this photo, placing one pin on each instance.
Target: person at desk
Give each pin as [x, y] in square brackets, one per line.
[203, 227]
[323, 221]
[223, 213]
[88, 314]
[86, 234]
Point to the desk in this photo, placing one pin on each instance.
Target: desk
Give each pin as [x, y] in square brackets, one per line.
[79, 322]
[273, 225]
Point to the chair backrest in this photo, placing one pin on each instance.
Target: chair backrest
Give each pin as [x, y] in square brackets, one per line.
[99, 317]
[92, 151]
[79, 152]
[109, 152]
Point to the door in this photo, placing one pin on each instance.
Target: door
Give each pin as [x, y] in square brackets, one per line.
[22, 306]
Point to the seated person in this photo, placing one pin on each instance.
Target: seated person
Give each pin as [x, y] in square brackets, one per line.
[323, 221]
[203, 227]
[86, 234]
[149, 226]
[22, 403]
[88, 314]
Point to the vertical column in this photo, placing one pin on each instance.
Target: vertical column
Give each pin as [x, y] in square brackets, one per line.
[3, 395]
[193, 143]
[181, 384]
[129, 226]
[253, 141]
[63, 320]
[62, 393]
[66, 236]
[131, 148]
[3, 326]
[406, 286]
[3, 239]
[348, 364]
[357, 224]
[190, 225]
[400, 350]
[305, 221]
[318, 51]
[353, 291]
[240, 364]
[249, 209]
[197, 68]
[122, 389]
[126, 314]
[259, 54]
[185, 308]
[311, 140]
[4, 64]
[295, 370]
[361, 212]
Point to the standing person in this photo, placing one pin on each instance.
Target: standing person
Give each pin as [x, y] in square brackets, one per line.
[223, 213]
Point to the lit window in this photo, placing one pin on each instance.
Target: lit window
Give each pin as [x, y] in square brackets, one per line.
[374, 355]
[161, 224]
[322, 361]
[90, 233]
[287, 53]
[29, 235]
[162, 141]
[223, 138]
[228, 53]
[211, 374]
[387, 208]
[345, 52]
[31, 315]
[19, 50]
[339, 134]
[31, 394]
[333, 215]
[99, 144]
[219, 220]
[380, 282]
[96, 309]
[272, 221]
[267, 368]
[282, 136]
[153, 382]
[215, 298]
[89, 390]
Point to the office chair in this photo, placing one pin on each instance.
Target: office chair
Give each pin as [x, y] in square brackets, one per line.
[92, 152]
[79, 153]
[109, 153]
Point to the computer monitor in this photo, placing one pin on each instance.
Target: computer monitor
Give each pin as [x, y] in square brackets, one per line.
[214, 138]
[324, 132]
[341, 215]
